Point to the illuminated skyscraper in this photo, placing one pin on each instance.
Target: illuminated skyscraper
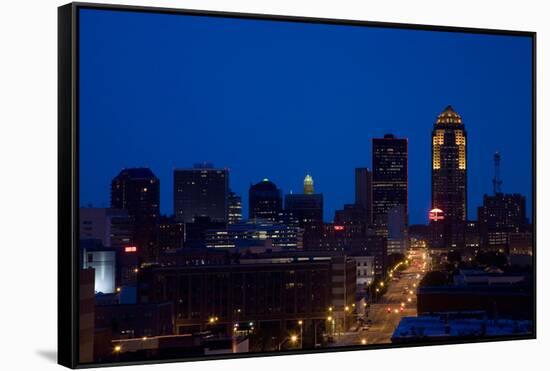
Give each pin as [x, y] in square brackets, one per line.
[307, 209]
[234, 208]
[389, 178]
[308, 185]
[449, 175]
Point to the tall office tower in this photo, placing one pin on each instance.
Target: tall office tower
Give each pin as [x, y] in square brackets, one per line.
[501, 215]
[363, 191]
[308, 185]
[234, 208]
[264, 201]
[201, 191]
[138, 191]
[389, 178]
[308, 211]
[449, 175]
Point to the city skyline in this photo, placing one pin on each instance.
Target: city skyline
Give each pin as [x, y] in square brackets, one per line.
[323, 126]
[271, 184]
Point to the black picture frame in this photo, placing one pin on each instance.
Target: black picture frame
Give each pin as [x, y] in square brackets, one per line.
[68, 172]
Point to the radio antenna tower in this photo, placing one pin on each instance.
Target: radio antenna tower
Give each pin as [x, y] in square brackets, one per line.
[497, 182]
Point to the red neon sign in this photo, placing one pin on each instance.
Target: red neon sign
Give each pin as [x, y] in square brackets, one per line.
[338, 227]
[130, 249]
[436, 214]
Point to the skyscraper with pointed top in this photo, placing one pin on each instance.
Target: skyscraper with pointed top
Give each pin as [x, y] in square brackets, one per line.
[449, 181]
[307, 209]
[308, 185]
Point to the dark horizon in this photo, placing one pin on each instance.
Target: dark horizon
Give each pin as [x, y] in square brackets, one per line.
[303, 98]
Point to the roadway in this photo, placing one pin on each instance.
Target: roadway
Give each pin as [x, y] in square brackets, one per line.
[397, 302]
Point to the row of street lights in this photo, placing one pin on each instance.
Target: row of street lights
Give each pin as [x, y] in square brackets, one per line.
[294, 338]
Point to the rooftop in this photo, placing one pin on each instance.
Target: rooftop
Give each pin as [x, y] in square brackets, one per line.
[449, 116]
[137, 173]
[437, 327]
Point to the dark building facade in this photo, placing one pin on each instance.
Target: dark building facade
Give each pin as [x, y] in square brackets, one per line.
[363, 191]
[170, 234]
[499, 216]
[449, 182]
[389, 178]
[251, 292]
[351, 214]
[265, 201]
[269, 291]
[195, 232]
[201, 191]
[114, 227]
[307, 209]
[127, 321]
[497, 301]
[86, 310]
[137, 190]
[472, 240]
[353, 237]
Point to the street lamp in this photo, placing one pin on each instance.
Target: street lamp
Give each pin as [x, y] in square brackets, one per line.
[292, 338]
[346, 310]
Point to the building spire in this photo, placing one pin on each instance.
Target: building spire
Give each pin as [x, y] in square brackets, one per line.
[308, 185]
[497, 182]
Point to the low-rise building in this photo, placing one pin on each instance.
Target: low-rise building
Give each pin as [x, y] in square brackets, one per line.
[425, 329]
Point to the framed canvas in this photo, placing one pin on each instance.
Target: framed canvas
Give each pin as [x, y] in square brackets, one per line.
[236, 185]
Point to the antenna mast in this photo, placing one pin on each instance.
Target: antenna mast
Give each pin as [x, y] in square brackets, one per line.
[497, 182]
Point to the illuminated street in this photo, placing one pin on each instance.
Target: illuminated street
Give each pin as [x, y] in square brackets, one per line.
[386, 313]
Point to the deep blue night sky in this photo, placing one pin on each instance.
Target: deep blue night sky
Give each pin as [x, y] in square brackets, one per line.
[279, 99]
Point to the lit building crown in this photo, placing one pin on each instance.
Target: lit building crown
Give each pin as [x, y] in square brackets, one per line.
[449, 116]
[308, 185]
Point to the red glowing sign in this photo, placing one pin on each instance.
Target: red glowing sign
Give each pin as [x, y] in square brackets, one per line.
[130, 249]
[338, 227]
[436, 214]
